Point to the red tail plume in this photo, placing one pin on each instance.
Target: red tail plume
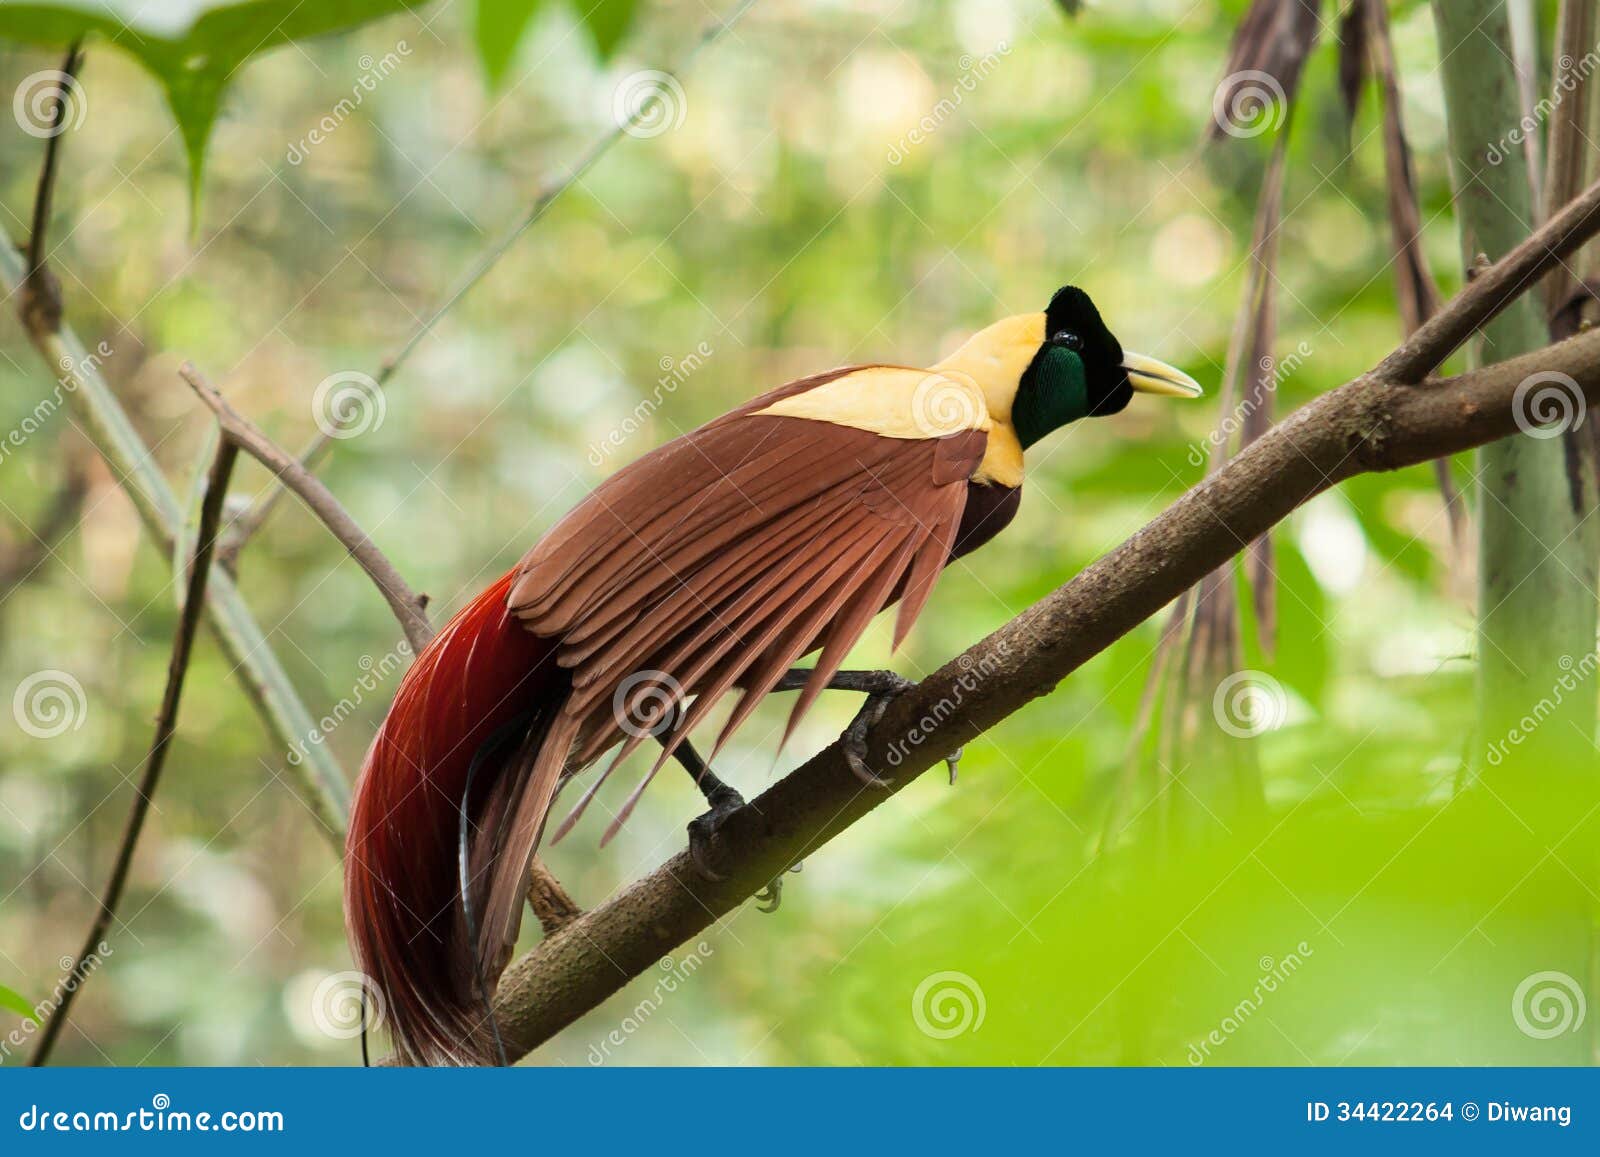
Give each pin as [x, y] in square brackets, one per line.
[479, 679]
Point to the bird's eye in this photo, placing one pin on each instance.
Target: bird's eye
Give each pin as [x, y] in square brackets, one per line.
[1067, 340]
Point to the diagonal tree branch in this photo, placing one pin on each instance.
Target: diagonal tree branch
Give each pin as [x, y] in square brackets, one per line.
[1381, 421]
[409, 607]
[166, 724]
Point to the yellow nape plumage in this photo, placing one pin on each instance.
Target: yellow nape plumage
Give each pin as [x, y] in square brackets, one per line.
[972, 389]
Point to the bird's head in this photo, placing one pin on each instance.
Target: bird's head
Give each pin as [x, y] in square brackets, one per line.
[1041, 371]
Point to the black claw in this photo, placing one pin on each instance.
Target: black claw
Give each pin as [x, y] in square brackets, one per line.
[703, 829]
[854, 740]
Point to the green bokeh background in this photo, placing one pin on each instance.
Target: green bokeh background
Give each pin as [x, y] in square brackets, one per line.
[773, 227]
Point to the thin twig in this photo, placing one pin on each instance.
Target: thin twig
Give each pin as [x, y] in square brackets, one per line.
[1493, 289]
[549, 192]
[549, 900]
[166, 724]
[41, 293]
[409, 607]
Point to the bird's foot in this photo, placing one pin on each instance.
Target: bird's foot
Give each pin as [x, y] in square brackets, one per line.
[887, 687]
[770, 898]
[953, 762]
[724, 801]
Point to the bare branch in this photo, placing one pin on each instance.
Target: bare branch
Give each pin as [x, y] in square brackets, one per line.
[409, 607]
[20, 561]
[548, 193]
[166, 724]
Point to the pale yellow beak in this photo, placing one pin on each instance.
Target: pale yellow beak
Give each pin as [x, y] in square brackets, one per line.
[1148, 376]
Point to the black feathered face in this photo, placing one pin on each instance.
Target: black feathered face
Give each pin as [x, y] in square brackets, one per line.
[1081, 371]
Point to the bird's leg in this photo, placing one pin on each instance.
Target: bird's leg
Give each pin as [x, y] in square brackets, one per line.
[881, 688]
[723, 801]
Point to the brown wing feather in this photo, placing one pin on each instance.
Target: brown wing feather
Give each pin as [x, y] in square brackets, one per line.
[725, 556]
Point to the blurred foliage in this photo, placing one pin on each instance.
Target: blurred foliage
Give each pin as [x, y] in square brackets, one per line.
[772, 227]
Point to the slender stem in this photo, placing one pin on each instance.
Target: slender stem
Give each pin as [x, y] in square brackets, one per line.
[166, 724]
[408, 606]
[549, 192]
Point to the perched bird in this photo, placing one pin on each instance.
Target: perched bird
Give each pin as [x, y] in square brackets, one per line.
[710, 564]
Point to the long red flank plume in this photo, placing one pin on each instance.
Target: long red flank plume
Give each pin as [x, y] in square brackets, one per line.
[481, 679]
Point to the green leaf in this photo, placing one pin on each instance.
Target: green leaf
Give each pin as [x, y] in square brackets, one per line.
[498, 30]
[17, 1003]
[191, 47]
[607, 21]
